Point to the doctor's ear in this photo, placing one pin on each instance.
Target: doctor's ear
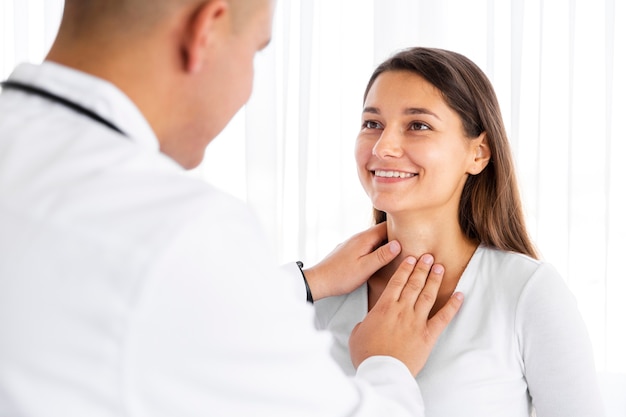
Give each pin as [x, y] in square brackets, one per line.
[481, 154]
[202, 32]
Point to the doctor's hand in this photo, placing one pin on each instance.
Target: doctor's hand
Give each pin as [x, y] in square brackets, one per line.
[398, 325]
[351, 263]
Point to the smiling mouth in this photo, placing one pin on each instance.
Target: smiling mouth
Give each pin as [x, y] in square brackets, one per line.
[393, 174]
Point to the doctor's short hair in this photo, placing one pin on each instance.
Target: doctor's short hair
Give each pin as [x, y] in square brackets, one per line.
[490, 210]
[129, 16]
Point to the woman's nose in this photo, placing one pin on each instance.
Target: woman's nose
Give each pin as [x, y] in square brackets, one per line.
[389, 144]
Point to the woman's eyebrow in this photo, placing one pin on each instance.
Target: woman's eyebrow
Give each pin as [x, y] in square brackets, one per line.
[408, 111]
[420, 110]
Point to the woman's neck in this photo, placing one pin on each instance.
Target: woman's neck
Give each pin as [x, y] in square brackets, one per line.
[418, 236]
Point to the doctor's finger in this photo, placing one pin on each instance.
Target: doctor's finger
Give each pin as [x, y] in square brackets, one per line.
[372, 262]
[428, 295]
[417, 279]
[444, 316]
[396, 284]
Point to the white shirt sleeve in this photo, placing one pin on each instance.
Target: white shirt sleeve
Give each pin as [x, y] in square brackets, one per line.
[219, 331]
[556, 349]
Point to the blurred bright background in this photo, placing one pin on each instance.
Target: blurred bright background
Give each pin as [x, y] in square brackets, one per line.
[555, 65]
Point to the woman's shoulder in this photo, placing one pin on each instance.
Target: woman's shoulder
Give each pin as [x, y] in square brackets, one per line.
[513, 272]
[514, 263]
[506, 258]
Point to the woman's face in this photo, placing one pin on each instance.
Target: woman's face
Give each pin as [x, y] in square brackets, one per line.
[412, 153]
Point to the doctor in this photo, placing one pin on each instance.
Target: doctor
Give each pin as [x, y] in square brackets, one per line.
[130, 289]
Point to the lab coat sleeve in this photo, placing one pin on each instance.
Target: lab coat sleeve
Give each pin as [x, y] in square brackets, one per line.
[556, 349]
[217, 331]
[295, 276]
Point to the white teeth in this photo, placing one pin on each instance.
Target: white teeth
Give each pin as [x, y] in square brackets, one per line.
[393, 174]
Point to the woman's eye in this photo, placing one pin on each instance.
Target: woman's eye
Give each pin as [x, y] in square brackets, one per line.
[370, 124]
[419, 126]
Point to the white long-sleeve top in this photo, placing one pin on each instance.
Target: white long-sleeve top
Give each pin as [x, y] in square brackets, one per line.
[518, 342]
[128, 288]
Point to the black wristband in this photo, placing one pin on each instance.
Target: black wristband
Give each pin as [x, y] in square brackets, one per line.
[309, 296]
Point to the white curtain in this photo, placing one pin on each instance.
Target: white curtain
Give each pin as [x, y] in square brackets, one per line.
[558, 67]
[27, 28]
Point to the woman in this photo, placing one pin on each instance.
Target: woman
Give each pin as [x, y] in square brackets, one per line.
[433, 156]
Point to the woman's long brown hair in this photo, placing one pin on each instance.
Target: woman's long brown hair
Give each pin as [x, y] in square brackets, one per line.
[490, 210]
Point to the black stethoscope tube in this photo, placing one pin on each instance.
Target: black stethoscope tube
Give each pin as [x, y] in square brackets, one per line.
[63, 101]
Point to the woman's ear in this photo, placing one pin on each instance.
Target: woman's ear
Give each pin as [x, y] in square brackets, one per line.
[481, 154]
[202, 30]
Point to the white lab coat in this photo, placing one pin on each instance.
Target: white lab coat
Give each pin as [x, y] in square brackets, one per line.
[130, 289]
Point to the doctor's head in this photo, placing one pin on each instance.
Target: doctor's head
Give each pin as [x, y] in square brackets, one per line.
[186, 64]
[433, 146]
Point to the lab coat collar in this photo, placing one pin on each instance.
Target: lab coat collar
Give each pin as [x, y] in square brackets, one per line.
[95, 94]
